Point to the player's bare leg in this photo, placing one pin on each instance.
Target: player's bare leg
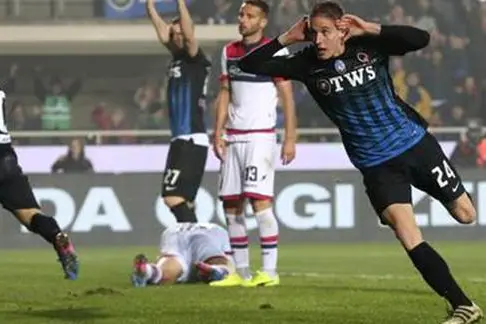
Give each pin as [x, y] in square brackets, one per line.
[462, 209]
[268, 230]
[48, 229]
[182, 210]
[430, 264]
[215, 269]
[165, 270]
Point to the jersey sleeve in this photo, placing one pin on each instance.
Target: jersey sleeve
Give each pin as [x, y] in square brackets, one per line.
[263, 61]
[224, 66]
[282, 52]
[396, 40]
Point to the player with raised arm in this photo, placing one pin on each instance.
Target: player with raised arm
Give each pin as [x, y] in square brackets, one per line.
[17, 197]
[186, 97]
[245, 142]
[189, 252]
[346, 71]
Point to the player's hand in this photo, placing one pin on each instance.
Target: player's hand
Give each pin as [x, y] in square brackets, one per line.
[356, 26]
[297, 33]
[219, 147]
[287, 154]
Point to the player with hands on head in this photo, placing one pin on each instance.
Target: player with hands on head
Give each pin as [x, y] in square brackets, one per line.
[346, 71]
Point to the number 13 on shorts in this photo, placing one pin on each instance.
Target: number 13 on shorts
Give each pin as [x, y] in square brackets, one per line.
[248, 170]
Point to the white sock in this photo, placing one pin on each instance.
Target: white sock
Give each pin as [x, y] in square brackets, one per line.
[239, 244]
[268, 228]
[152, 274]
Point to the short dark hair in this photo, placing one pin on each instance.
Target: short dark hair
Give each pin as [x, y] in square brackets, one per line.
[260, 4]
[175, 20]
[328, 9]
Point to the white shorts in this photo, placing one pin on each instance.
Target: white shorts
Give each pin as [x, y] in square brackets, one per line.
[194, 242]
[248, 169]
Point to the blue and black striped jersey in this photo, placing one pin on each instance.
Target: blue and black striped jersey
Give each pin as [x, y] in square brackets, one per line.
[186, 93]
[355, 91]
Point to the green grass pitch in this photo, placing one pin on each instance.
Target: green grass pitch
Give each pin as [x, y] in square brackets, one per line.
[332, 284]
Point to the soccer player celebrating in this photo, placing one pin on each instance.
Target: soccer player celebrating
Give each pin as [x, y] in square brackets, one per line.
[346, 71]
[17, 197]
[186, 95]
[245, 142]
[189, 252]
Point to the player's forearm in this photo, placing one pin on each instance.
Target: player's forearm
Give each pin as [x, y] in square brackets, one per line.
[161, 27]
[290, 119]
[403, 38]
[187, 25]
[261, 60]
[221, 113]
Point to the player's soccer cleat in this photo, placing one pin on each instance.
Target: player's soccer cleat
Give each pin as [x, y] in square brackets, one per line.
[231, 280]
[210, 272]
[262, 279]
[139, 276]
[67, 256]
[465, 315]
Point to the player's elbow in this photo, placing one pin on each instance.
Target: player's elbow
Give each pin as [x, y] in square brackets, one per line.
[246, 64]
[421, 39]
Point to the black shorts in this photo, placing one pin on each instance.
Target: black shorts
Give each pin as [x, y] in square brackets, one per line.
[424, 166]
[15, 190]
[184, 169]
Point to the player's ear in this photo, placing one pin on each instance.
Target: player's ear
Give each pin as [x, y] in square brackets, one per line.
[264, 22]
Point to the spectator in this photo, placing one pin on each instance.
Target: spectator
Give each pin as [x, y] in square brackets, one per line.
[56, 101]
[467, 93]
[399, 76]
[146, 95]
[435, 69]
[119, 121]
[457, 116]
[220, 13]
[74, 161]
[18, 121]
[101, 117]
[418, 96]
[481, 150]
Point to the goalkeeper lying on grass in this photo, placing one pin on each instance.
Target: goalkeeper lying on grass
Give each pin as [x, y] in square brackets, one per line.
[189, 252]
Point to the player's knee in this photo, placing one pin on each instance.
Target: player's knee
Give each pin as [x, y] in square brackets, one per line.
[259, 205]
[401, 219]
[463, 210]
[172, 201]
[233, 206]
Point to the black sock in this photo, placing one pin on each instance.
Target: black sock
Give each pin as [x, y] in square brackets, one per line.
[436, 273]
[45, 226]
[184, 214]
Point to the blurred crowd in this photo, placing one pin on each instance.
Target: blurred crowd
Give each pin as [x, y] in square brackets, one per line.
[445, 82]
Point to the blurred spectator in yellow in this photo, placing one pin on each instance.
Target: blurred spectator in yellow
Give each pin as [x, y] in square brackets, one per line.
[418, 96]
[399, 76]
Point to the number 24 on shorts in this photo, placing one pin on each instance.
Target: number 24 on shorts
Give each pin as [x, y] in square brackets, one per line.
[440, 171]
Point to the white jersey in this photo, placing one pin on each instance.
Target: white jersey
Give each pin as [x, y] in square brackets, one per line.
[4, 134]
[254, 98]
[194, 242]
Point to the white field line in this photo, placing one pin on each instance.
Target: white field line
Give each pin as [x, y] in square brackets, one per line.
[364, 276]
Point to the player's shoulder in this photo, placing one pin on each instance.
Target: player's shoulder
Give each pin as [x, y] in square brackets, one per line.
[232, 45]
[234, 49]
